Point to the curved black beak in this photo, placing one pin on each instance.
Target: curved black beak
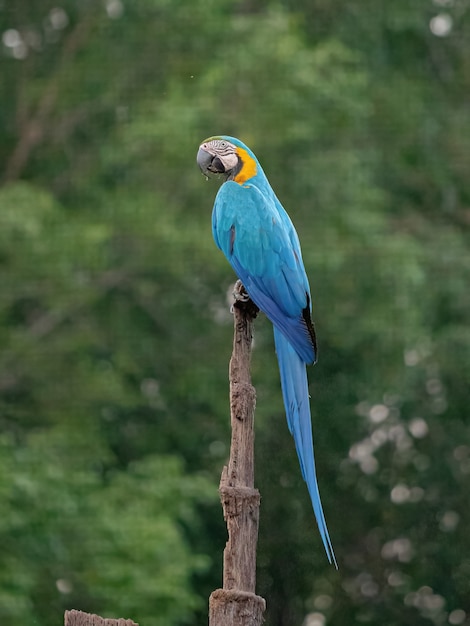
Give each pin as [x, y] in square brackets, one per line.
[209, 163]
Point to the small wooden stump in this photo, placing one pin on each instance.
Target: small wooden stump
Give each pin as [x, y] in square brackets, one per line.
[237, 603]
[78, 618]
[235, 608]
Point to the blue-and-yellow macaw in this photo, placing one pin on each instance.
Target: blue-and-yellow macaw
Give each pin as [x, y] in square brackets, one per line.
[256, 235]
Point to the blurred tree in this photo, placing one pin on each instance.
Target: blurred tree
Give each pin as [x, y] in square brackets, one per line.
[72, 535]
[114, 329]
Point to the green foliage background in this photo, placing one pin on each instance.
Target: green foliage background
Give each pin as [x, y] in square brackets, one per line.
[114, 324]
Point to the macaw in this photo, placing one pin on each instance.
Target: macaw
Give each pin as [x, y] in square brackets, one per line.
[255, 233]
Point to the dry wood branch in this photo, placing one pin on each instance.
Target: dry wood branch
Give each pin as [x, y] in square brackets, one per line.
[237, 604]
[78, 618]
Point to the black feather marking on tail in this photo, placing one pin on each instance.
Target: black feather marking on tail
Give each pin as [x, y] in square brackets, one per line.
[310, 326]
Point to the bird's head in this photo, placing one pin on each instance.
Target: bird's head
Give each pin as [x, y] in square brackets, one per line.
[227, 156]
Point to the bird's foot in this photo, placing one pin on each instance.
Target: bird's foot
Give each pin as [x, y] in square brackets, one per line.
[243, 300]
[240, 294]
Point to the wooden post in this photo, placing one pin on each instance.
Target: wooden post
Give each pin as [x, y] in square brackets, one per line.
[237, 604]
[78, 618]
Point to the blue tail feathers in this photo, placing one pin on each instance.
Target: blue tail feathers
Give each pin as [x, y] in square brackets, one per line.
[296, 400]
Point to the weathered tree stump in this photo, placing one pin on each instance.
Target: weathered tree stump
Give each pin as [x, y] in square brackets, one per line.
[237, 604]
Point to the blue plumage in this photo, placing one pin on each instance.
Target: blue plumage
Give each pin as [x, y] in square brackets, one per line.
[256, 235]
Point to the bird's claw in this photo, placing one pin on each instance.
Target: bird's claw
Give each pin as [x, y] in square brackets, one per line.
[240, 294]
[243, 300]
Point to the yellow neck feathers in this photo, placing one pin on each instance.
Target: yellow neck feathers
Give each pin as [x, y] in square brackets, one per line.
[248, 169]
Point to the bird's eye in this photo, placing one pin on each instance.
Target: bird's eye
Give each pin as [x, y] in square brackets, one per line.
[223, 144]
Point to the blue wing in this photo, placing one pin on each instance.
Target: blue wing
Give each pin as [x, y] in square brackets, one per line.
[260, 242]
[258, 238]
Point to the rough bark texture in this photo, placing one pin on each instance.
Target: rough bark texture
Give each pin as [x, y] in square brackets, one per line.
[237, 604]
[78, 618]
